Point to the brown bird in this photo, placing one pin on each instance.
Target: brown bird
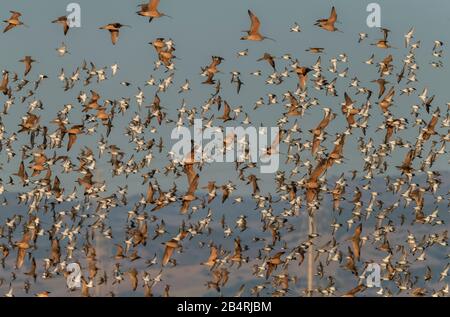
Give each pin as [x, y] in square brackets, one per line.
[350, 265]
[27, 60]
[30, 123]
[273, 262]
[133, 275]
[328, 24]
[356, 242]
[383, 43]
[430, 129]
[354, 291]
[84, 288]
[55, 251]
[38, 164]
[4, 84]
[269, 58]
[114, 28]
[337, 153]
[237, 256]
[253, 34]
[387, 101]
[226, 112]
[381, 85]
[22, 247]
[119, 253]
[212, 69]
[302, 73]
[22, 174]
[315, 50]
[149, 195]
[212, 257]
[171, 245]
[148, 290]
[73, 132]
[64, 22]
[92, 104]
[150, 10]
[190, 194]
[407, 161]
[349, 111]
[32, 271]
[211, 191]
[13, 21]
[86, 181]
[252, 179]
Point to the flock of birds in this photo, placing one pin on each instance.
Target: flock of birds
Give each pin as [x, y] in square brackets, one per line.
[37, 251]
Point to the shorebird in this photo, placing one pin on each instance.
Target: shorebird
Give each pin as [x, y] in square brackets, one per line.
[408, 36]
[22, 246]
[253, 34]
[295, 28]
[362, 36]
[114, 28]
[27, 60]
[13, 21]
[383, 43]
[315, 50]
[150, 10]
[328, 24]
[73, 132]
[64, 22]
[269, 58]
[4, 83]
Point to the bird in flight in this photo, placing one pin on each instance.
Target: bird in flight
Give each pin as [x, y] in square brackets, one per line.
[62, 20]
[150, 10]
[253, 34]
[13, 21]
[113, 29]
[329, 23]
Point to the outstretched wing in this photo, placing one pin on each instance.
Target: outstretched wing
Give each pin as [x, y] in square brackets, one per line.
[15, 14]
[254, 28]
[8, 27]
[167, 254]
[114, 36]
[333, 16]
[276, 141]
[153, 5]
[213, 255]
[72, 139]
